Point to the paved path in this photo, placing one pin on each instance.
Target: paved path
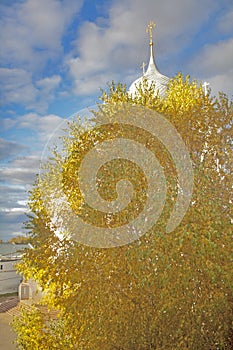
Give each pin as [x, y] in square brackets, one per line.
[9, 306]
[7, 335]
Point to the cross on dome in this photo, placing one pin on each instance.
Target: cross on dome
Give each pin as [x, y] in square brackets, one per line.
[149, 30]
[143, 67]
[205, 86]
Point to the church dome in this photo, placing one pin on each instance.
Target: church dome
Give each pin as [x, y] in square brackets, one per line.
[152, 74]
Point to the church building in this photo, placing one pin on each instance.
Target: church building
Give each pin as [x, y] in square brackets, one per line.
[152, 74]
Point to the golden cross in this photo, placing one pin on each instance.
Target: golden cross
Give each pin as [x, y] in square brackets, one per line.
[149, 30]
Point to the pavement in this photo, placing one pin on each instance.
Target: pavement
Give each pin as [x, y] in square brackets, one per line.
[8, 308]
[7, 335]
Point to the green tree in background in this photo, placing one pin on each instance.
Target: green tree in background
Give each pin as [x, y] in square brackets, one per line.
[163, 291]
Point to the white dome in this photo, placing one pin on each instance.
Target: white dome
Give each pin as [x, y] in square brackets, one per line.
[152, 75]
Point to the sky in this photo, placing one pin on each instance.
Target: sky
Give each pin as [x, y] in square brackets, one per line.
[56, 55]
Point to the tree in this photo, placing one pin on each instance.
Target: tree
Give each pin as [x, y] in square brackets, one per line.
[19, 240]
[162, 291]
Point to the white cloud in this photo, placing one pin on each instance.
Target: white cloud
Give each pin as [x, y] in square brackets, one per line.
[11, 223]
[49, 83]
[16, 179]
[226, 22]
[31, 36]
[9, 149]
[216, 57]
[112, 47]
[18, 175]
[32, 30]
[17, 86]
[13, 199]
[44, 126]
[214, 63]
[91, 83]
[13, 210]
[37, 132]
[27, 121]
[7, 123]
[21, 171]
[22, 202]
[12, 194]
[119, 44]
[47, 87]
[223, 83]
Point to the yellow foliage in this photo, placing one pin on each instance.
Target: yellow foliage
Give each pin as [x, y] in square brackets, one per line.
[163, 291]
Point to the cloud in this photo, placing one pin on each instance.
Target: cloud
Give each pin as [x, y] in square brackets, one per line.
[223, 83]
[21, 171]
[225, 23]
[47, 87]
[17, 86]
[35, 132]
[91, 83]
[11, 224]
[31, 36]
[32, 31]
[39, 62]
[12, 195]
[12, 209]
[9, 149]
[118, 44]
[214, 63]
[49, 83]
[215, 58]
[7, 123]
[43, 126]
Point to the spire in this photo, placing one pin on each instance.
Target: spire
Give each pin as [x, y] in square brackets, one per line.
[152, 74]
[151, 66]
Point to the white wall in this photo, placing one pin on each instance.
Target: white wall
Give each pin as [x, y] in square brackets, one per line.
[9, 279]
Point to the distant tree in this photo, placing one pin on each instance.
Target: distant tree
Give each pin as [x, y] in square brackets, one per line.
[19, 240]
[163, 291]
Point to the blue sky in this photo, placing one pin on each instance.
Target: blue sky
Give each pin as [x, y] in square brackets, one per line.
[56, 55]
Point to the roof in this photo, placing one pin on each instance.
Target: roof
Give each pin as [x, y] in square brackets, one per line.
[152, 76]
[9, 250]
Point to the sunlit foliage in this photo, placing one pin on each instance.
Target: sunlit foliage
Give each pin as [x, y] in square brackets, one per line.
[164, 291]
